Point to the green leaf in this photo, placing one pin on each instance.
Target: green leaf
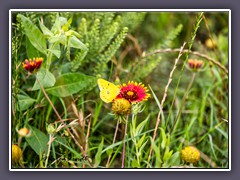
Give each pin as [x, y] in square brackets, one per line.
[157, 153]
[37, 141]
[167, 154]
[71, 83]
[34, 34]
[24, 102]
[76, 43]
[65, 27]
[164, 138]
[46, 78]
[135, 164]
[55, 50]
[140, 141]
[60, 38]
[45, 30]
[140, 126]
[174, 160]
[99, 154]
[32, 52]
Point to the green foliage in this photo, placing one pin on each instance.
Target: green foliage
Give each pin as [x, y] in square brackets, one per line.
[79, 47]
[71, 83]
[46, 78]
[38, 141]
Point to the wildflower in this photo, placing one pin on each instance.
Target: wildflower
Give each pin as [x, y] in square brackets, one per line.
[195, 64]
[24, 132]
[121, 106]
[134, 92]
[32, 65]
[16, 153]
[190, 154]
[210, 43]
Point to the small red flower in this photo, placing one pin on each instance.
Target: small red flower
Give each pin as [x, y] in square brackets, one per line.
[32, 65]
[134, 92]
[195, 64]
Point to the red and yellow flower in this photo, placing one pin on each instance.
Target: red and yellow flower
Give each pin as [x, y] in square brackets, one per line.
[134, 92]
[32, 64]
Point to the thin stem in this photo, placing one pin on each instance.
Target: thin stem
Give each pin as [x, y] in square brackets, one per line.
[87, 136]
[182, 104]
[124, 144]
[49, 147]
[114, 139]
[59, 117]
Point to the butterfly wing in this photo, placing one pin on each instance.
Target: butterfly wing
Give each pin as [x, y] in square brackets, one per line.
[108, 91]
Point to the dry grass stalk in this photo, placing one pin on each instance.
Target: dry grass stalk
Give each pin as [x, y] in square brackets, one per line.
[163, 99]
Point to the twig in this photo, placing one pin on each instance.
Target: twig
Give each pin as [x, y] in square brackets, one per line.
[114, 139]
[163, 100]
[190, 52]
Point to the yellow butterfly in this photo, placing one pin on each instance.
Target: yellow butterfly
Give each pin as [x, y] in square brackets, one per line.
[108, 91]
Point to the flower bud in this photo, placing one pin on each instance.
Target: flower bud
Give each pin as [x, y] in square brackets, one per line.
[190, 154]
[16, 153]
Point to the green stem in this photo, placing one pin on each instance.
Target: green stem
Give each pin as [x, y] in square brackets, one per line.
[49, 56]
[124, 144]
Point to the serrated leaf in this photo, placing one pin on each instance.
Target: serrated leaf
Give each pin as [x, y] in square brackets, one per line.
[34, 34]
[71, 83]
[76, 43]
[24, 102]
[99, 154]
[38, 141]
[46, 78]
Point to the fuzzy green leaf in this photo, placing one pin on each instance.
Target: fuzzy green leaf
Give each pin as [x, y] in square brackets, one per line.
[37, 141]
[34, 35]
[46, 78]
[71, 83]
